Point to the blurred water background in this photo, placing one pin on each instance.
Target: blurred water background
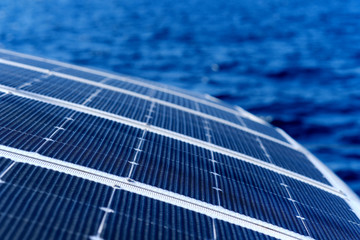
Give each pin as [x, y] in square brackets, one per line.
[295, 63]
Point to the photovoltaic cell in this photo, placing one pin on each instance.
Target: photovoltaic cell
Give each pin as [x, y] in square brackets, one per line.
[96, 143]
[32, 207]
[61, 88]
[178, 121]
[186, 165]
[236, 139]
[128, 86]
[4, 163]
[325, 226]
[121, 104]
[262, 128]
[218, 113]
[293, 160]
[174, 99]
[335, 206]
[14, 77]
[24, 123]
[269, 207]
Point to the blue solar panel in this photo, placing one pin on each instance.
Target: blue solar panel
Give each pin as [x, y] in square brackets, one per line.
[335, 207]
[69, 90]
[293, 160]
[218, 113]
[171, 98]
[325, 226]
[32, 207]
[166, 148]
[108, 146]
[127, 86]
[265, 129]
[14, 77]
[121, 104]
[178, 121]
[83, 141]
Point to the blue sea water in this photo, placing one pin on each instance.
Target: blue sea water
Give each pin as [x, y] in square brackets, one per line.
[295, 63]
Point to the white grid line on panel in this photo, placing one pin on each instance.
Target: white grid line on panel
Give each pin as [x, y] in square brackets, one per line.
[286, 189]
[174, 135]
[107, 210]
[145, 97]
[159, 194]
[69, 118]
[6, 170]
[214, 172]
[140, 144]
[351, 198]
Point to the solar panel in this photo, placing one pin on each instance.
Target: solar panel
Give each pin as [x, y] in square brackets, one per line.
[92, 155]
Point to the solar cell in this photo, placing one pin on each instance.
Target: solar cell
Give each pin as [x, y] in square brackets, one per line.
[15, 77]
[200, 156]
[61, 88]
[268, 130]
[126, 85]
[32, 205]
[121, 104]
[293, 160]
[218, 113]
[174, 99]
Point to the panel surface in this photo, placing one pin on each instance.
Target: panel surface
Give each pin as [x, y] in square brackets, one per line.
[185, 147]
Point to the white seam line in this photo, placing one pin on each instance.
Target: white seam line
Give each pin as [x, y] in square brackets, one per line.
[29, 83]
[159, 194]
[141, 141]
[67, 119]
[351, 198]
[214, 173]
[173, 135]
[348, 195]
[286, 188]
[5, 171]
[124, 78]
[134, 94]
[293, 201]
[4, 94]
[91, 97]
[58, 128]
[106, 210]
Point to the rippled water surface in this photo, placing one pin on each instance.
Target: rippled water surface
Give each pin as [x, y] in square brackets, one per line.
[295, 63]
